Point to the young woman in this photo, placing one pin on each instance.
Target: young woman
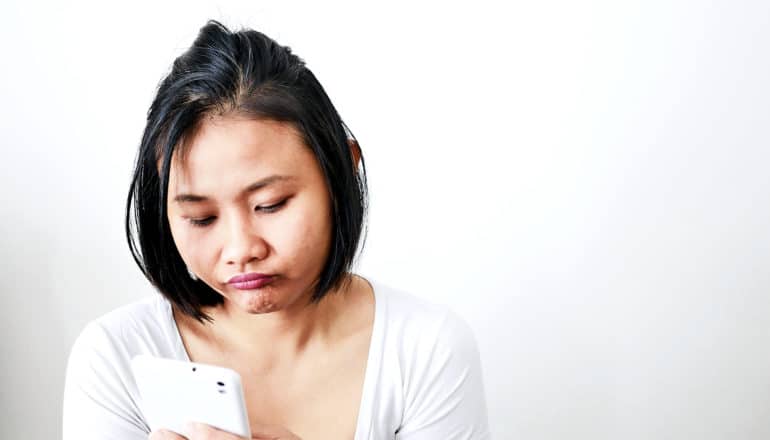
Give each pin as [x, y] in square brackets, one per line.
[245, 211]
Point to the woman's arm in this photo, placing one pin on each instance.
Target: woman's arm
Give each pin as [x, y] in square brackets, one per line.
[97, 402]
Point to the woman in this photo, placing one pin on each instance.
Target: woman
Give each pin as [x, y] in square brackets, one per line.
[245, 212]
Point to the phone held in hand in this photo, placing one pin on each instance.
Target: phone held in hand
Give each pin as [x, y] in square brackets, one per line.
[175, 392]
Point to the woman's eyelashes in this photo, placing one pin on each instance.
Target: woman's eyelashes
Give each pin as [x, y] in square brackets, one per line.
[271, 208]
[201, 221]
[261, 209]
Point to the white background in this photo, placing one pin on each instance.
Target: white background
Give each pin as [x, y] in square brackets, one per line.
[586, 183]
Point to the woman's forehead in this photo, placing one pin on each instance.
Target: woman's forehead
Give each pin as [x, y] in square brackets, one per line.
[228, 153]
[216, 133]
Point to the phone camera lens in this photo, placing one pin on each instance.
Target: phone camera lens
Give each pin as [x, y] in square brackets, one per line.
[221, 384]
[194, 368]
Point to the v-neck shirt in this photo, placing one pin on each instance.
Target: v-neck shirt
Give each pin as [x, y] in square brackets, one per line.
[423, 376]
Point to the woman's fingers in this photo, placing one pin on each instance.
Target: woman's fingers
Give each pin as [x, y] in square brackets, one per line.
[201, 431]
[194, 431]
[164, 434]
[272, 432]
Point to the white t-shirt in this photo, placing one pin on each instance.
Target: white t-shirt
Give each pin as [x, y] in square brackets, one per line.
[422, 382]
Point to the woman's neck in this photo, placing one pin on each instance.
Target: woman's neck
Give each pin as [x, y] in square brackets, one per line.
[276, 338]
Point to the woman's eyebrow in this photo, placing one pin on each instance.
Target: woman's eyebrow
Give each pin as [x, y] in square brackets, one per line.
[259, 184]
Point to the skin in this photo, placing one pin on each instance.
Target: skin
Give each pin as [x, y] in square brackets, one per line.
[222, 228]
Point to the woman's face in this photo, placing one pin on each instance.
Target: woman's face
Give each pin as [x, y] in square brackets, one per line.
[250, 198]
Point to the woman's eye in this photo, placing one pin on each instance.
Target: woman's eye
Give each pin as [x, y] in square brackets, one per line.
[205, 221]
[271, 208]
[202, 221]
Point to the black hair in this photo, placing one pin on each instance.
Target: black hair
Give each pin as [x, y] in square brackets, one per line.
[244, 73]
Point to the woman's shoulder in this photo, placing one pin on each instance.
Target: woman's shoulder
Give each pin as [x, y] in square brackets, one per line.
[431, 367]
[414, 312]
[99, 385]
[145, 326]
[417, 326]
[143, 317]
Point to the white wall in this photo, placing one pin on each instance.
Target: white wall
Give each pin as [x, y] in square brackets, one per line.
[585, 182]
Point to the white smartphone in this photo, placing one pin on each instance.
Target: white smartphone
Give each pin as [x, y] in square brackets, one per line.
[176, 392]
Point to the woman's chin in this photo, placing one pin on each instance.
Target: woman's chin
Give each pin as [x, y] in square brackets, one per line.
[267, 299]
[255, 301]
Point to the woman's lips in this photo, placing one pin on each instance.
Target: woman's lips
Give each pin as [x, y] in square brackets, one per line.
[250, 281]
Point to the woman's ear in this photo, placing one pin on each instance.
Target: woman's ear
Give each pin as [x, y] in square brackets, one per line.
[355, 151]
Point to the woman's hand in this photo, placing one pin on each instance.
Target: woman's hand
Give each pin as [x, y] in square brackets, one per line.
[200, 431]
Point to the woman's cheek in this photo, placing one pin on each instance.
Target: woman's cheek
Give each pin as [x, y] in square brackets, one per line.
[295, 238]
[193, 242]
[180, 235]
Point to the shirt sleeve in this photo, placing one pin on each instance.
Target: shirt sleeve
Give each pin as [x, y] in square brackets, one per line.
[97, 400]
[444, 392]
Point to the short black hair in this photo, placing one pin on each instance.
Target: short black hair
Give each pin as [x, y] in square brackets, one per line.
[244, 73]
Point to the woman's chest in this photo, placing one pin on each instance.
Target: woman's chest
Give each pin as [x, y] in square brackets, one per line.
[322, 405]
[316, 397]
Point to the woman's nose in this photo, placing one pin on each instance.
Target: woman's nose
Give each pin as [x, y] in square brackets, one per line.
[243, 244]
